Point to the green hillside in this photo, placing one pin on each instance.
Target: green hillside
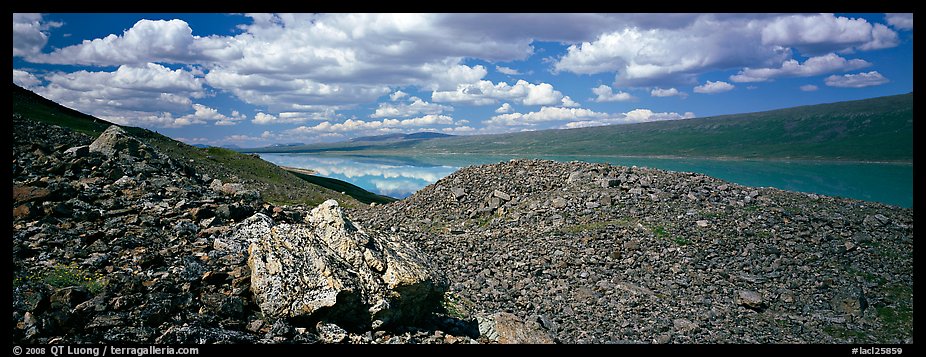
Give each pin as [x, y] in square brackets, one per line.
[275, 184]
[340, 186]
[877, 129]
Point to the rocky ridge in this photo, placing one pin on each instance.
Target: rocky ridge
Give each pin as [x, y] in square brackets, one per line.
[611, 254]
[114, 241]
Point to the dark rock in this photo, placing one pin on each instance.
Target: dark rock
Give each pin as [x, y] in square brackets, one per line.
[69, 297]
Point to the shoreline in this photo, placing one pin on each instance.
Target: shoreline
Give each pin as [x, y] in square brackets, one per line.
[661, 157]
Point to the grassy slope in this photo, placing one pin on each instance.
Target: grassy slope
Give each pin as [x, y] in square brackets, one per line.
[348, 188]
[276, 185]
[877, 129]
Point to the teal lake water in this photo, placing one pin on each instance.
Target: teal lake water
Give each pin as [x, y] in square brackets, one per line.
[401, 176]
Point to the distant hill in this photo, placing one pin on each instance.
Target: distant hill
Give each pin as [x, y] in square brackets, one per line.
[276, 184]
[282, 145]
[876, 129]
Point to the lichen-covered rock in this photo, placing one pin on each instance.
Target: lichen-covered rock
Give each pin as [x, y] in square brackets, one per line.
[329, 268]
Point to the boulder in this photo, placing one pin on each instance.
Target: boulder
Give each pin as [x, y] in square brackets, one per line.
[507, 328]
[330, 269]
[78, 151]
[750, 299]
[114, 140]
[22, 193]
[502, 195]
[458, 192]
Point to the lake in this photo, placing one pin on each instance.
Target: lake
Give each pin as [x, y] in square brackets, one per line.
[400, 177]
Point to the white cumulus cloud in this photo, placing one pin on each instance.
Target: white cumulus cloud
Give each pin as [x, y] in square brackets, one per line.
[486, 93]
[415, 106]
[30, 34]
[859, 80]
[545, 114]
[577, 117]
[507, 70]
[662, 55]
[821, 33]
[505, 108]
[25, 79]
[147, 95]
[671, 92]
[900, 21]
[395, 125]
[659, 55]
[792, 68]
[147, 41]
[397, 95]
[605, 94]
[569, 103]
[633, 116]
[203, 114]
[710, 87]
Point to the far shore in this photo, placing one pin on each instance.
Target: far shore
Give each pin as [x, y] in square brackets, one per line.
[299, 170]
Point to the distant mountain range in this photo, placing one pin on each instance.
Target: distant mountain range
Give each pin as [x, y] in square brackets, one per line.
[876, 129]
[286, 145]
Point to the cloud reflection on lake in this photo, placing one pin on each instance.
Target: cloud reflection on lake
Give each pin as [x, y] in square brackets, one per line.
[392, 178]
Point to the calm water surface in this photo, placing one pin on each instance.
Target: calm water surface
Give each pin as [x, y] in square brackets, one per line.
[401, 176]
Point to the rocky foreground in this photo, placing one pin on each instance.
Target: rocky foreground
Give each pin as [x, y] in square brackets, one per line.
[601, 253]
[116, 242]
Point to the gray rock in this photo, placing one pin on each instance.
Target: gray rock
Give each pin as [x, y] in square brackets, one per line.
[78, 151]
[494, 202]
[559, 202]
[610, 182]
[114, 140]
[575, 176]
[329, 267]
[330, 333]
[232, 188]
[507, 328]
[216, 185]
[501, 195]
[663, 338]
[876, 220]
[684, 325]
[458, 192]
[750, 299]
[605, 200]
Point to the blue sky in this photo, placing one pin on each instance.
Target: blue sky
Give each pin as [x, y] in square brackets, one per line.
[258, 79]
